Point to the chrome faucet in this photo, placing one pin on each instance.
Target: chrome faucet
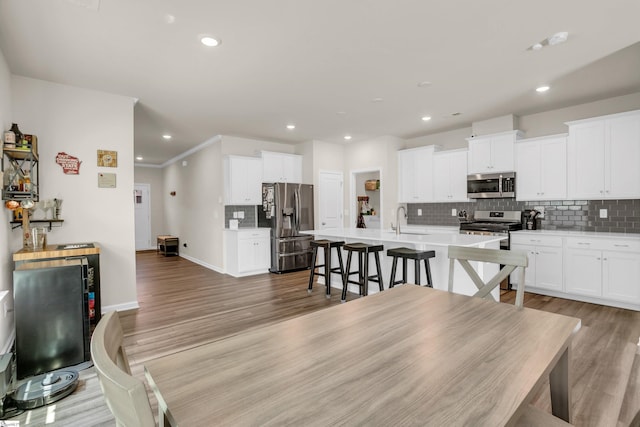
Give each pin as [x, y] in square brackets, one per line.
[398, 218]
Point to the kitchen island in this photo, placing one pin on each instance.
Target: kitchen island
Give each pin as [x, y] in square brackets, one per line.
[435, 239]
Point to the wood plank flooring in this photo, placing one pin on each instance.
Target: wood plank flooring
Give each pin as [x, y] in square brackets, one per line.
[183, 305]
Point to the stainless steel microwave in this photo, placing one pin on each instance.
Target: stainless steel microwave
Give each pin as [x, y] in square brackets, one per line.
[491, 185]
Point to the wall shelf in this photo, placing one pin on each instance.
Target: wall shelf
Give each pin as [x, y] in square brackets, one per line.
[51, 222]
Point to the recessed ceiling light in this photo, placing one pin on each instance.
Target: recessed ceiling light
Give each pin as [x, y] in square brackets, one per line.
[347, 137]
[341, 113]
[426, 118]
[291, 127]
[169, 18]
[558, 38]
[209, 41]
[542, 89]
[139, 158]
[424, 84]
[377, 100]
[166, 136]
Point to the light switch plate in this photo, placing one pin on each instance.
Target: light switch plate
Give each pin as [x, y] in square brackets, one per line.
[235, 215]
[240, 214]
[454, 212]
[603, 213]
[419, 212]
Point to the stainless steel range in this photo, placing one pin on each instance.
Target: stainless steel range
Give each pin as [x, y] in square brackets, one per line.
[494, 223]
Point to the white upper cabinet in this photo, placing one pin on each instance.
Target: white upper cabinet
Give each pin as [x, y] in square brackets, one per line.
[603, 157]
[492, 153]
[541, 168]
[450, 176]
[415, 175]
[242, 180]
[281, 167]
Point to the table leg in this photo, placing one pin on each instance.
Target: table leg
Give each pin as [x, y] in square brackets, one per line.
[561, 404]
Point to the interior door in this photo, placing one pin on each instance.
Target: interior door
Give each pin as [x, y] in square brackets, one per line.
[142, 209]
[330, 200]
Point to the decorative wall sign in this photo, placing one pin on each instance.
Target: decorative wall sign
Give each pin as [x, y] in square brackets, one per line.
[70, 164]
[108, 159]
[106, 180]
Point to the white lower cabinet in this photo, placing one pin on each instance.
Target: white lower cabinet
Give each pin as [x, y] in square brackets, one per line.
[601, 270]
[248, 251]
[545, 261]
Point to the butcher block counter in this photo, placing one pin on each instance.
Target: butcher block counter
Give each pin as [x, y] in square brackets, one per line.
[63, 250]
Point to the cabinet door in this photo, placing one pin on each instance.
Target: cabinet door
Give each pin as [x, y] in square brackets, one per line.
[262, 253]
[583, 272]
[406, 177]
[415, 175]
[530, 272]
[458, 176]
[622, 157]
[553, 168]
[441, 178]
[528, 171]
[585, 161]
[480, 156]
[271, 167]
[620, 276]
[548, 268]
[244, 176]
[502, 153]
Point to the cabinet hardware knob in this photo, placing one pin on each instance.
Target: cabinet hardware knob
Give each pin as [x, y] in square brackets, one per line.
[621, 246]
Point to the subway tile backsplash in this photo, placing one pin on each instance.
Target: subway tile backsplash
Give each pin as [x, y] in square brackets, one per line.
[249, 215]
[623, 216]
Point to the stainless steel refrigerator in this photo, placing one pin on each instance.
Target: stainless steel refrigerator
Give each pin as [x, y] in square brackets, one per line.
[289, 210]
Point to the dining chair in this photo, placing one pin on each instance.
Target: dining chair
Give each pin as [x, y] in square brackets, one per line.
[126, 395]
[508, 260]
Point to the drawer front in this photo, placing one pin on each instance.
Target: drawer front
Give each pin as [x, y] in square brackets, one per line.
[624, 245]
[253, 234]
[531, 240]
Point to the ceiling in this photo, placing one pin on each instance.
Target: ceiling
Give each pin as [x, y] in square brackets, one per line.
[331, 67]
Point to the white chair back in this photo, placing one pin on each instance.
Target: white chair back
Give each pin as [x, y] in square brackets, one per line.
[126, 395]
[509, 259]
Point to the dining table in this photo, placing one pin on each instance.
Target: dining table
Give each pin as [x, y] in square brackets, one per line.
[410, 355]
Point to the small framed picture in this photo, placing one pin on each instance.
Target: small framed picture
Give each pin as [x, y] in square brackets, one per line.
[107, 159]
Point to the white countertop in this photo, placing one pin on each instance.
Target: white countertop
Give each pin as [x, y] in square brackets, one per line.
[435, 236]
[247, 229]
[570, 233]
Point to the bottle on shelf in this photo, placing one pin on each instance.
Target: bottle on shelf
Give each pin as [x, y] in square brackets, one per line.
[9, 139]
[19, 136]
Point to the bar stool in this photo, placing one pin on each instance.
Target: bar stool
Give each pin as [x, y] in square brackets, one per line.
[326, 245]
[417, 256]
[363, 251]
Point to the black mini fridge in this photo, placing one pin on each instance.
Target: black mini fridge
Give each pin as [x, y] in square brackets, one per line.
[51, 315]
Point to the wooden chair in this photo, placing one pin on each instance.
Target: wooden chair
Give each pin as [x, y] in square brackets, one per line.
[126, 395]
[509, 260]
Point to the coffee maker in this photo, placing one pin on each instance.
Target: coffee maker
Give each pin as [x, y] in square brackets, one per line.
[529, 219]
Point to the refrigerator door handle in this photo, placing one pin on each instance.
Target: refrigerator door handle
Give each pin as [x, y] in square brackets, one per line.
[296, 196]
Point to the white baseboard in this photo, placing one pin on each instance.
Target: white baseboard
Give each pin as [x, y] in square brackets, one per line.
[204, 264]
[132, 305]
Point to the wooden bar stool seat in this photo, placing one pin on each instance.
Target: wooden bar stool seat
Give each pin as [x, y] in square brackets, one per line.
[326, 245]
[407, 254]
[363, 250]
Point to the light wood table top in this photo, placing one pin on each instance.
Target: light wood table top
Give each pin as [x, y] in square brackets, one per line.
[59, 250]
[406, 356]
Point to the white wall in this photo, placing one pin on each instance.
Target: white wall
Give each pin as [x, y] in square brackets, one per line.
[376, 154]
[449, 140]
[6, 264]
[155, 178]
[196, 213]
[79, 122]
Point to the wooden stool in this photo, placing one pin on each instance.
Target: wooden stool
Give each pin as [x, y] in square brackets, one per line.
[326, 245]
[363, 251]
[417, 256]
[167, 245]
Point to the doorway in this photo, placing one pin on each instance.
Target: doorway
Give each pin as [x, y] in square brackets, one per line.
[330, 199]
[366, 199]
[142, 207]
